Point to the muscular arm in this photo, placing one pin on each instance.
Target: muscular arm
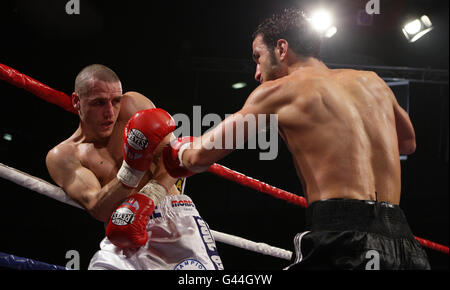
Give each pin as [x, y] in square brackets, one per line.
[204, 152]
[405, 131]
[82, 185]
[406, 136]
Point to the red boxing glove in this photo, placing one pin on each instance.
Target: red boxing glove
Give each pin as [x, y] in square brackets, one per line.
[143, 133]
[127, 225]
[171, 157]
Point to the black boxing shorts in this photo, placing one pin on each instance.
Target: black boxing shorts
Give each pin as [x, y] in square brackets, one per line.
[349, 234]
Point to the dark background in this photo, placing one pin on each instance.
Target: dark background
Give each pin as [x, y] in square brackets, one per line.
[186, 53]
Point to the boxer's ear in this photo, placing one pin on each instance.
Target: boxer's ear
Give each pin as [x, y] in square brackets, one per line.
[76, 101]
[282, 48]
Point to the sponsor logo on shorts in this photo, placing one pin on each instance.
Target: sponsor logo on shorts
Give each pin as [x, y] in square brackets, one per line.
[122, 216]
[209, 242]
[156, 213]
[185, 203]
[190, 264]
[137, 140]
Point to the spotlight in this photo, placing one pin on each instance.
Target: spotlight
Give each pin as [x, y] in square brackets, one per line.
[417, 28]
[322, 21]
[7, 137]
[330, 31]
[239, 85]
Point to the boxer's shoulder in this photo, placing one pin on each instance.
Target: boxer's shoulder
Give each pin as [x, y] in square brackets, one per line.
[273, 95]
[305, 81]
[62, 158]
[65, 151]
[133, 102]
[134, 97]
[354, 76]
[268, 91]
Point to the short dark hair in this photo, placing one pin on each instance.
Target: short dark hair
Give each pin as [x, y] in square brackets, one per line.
[292, 25]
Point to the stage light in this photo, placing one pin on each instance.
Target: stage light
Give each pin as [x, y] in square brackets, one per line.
[322, 21]
[330, 32]
[7, 137]
[238, 85]
[417, 28]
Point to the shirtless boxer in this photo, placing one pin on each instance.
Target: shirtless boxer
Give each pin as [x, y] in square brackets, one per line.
[111, 166]
[345, 131]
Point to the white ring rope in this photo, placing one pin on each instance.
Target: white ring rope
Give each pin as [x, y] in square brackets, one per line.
[36, 184]
[261, 248]
[43, 187]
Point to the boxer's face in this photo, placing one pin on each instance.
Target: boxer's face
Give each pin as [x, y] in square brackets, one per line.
[99, 107]
[268, 67]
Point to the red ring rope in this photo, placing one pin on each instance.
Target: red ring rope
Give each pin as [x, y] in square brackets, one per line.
[61, 99]
[44, 92]
[240, 178]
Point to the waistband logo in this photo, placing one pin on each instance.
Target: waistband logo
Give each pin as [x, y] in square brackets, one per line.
[186, 203]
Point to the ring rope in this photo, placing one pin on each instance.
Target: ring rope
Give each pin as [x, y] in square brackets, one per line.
[40, 90]
[43, 187]
[261, 248]
[61, 99]
[432, 245]
[36, 184]
[244, 180]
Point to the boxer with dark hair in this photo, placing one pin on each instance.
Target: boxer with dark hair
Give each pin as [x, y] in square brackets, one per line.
[345, 131]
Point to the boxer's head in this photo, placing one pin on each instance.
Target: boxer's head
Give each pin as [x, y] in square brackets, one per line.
[97, 97]
[288, 32]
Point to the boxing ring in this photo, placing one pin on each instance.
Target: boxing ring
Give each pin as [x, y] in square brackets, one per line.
[43, 187]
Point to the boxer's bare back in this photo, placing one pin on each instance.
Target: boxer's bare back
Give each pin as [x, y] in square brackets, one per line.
[344, 128]
[340, 126]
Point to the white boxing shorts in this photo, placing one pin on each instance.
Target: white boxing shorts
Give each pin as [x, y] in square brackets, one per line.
[179, 239]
